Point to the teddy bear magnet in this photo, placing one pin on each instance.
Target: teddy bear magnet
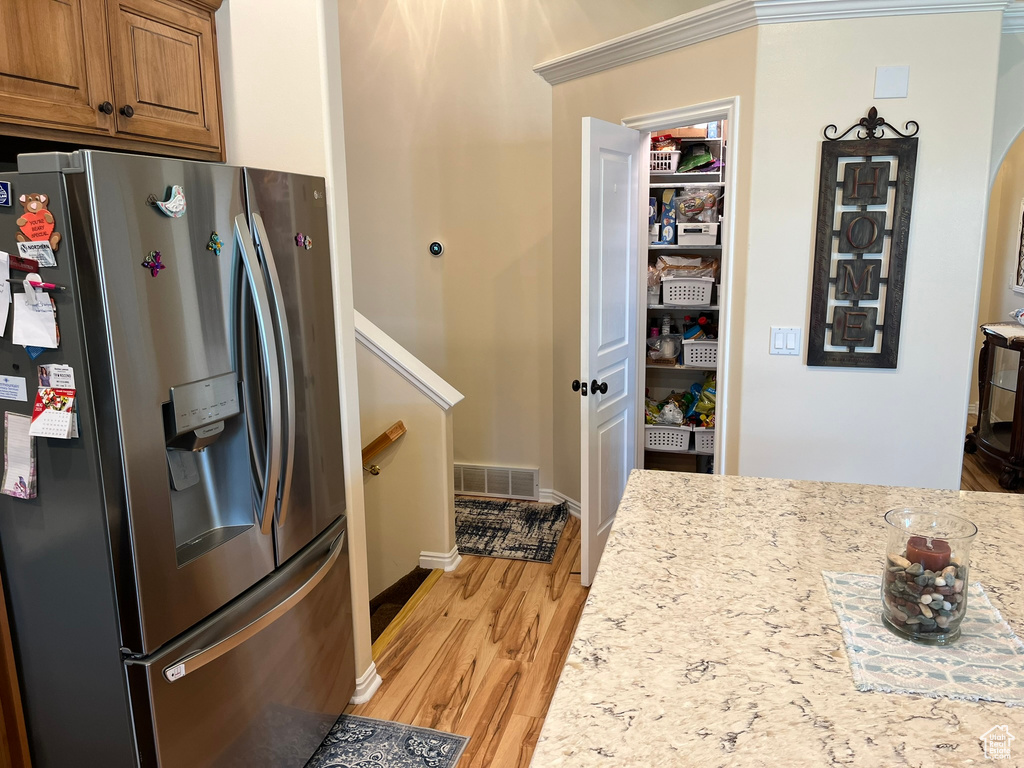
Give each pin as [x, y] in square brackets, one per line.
[36, 223]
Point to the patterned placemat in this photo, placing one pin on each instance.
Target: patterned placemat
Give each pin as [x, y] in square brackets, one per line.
[986, 663]
[363, 742]
[517, 530]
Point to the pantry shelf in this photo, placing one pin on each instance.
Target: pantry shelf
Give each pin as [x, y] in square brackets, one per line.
[660, 247]
[687, 184]
[678, 367]
[701, 307]
[688, 452]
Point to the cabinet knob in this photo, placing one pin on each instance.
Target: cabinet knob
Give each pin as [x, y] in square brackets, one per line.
[127, 111]
[106, 108]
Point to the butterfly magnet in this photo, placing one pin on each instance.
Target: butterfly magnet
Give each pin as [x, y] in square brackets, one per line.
[154, 263]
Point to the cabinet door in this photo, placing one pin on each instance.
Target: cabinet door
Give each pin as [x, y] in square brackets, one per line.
[164, 61]
[54, 69]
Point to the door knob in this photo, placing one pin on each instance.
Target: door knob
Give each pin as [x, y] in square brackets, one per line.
[127, 111]
[106, 108]
[595, 387]
[576, 385]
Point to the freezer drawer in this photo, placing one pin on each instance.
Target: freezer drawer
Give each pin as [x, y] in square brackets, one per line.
[260, 683]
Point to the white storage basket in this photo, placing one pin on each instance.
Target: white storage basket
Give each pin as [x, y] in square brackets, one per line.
[664, 161]
[660, 437]
[704, 440]
[687, 291]
[700, 353]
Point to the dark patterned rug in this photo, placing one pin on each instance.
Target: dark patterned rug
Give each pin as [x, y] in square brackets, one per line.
[361, 742]
[517, 530]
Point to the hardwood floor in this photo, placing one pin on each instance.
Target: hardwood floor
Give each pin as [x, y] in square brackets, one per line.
[481, 654]
[978, 473]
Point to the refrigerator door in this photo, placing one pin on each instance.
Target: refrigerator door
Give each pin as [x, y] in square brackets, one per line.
[55, 552]
[176, 381]
[260, 684]
[288, 216]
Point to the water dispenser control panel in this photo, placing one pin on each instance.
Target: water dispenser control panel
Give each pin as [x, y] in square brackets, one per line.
[200, 403]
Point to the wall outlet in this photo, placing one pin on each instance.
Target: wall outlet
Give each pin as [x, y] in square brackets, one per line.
[784, 341]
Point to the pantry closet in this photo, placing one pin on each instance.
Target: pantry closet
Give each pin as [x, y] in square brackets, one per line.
[680, 322]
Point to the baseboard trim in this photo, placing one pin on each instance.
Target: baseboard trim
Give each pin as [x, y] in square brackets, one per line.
[446, 561]
[366, 685]
[551, 496]
[972, 409]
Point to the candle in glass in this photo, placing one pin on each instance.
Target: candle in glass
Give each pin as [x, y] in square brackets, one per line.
[932, 554]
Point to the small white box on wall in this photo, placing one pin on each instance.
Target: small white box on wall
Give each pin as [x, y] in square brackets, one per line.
[892, 82]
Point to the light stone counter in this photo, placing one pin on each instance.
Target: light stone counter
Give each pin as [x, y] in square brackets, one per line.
[708, 638]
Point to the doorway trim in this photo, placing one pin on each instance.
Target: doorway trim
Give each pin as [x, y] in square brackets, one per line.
[728, 109]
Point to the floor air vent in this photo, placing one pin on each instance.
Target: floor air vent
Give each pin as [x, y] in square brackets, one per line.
[504, 482]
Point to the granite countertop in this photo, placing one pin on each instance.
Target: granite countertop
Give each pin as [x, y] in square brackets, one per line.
[708, 638]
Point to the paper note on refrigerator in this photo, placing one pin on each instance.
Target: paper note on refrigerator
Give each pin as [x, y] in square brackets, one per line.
[19, 457]
[5, 290]
[41, 253]
[52, 415]
[35, 324]
[59, 376]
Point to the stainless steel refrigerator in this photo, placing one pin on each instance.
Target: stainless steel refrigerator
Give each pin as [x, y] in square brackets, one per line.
[179, 588]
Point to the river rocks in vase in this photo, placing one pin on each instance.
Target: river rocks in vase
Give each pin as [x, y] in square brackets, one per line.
[922, 601]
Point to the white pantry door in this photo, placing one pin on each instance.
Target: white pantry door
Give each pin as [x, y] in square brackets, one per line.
[611, 212]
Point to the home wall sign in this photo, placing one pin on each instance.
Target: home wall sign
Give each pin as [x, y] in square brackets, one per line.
[865, 191]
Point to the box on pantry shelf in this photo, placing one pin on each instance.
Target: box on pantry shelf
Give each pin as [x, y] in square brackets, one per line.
[696, 233]
[691, 132]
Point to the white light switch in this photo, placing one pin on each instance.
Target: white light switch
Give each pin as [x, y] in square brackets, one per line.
[891, 82]
[785, 341]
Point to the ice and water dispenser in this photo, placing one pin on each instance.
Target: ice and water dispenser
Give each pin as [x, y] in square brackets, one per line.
[207, 451]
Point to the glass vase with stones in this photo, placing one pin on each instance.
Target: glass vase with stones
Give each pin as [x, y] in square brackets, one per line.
[924, 581]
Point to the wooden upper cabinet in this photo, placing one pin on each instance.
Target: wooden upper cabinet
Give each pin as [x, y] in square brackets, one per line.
[54, 68]
[133, 75]
[164, 65]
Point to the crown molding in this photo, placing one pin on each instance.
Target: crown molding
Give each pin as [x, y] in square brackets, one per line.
[1013, 19]
[734, 15]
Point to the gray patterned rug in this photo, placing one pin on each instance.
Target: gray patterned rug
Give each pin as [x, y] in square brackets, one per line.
[362, 742]
[517, 530]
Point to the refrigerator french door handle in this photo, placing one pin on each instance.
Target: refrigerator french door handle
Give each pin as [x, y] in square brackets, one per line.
[201, 658]
[265, 325]
[288, 368]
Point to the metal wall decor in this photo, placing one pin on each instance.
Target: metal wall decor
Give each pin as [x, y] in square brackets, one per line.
[865, 192]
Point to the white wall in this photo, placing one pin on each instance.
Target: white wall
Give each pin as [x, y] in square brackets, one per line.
[281, 84]
[900, 427]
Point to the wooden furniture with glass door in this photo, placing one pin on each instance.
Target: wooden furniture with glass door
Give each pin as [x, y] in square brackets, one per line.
[999, 433]
[134, 75]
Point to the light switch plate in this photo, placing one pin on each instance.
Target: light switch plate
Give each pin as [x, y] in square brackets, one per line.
[784, 341]
[892, 82]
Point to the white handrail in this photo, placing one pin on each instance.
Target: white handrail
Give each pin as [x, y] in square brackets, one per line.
[406, 364]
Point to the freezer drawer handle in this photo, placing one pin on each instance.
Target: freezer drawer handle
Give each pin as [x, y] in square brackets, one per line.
[202, 657]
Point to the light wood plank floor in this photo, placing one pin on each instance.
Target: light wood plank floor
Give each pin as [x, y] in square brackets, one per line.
[481, 654]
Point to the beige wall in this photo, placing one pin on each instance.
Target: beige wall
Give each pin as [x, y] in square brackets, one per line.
[1009, 117]
[410, 505]
[448, 134]
[652, 85]
[310, 139]
[901, 427]
[998, 298]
